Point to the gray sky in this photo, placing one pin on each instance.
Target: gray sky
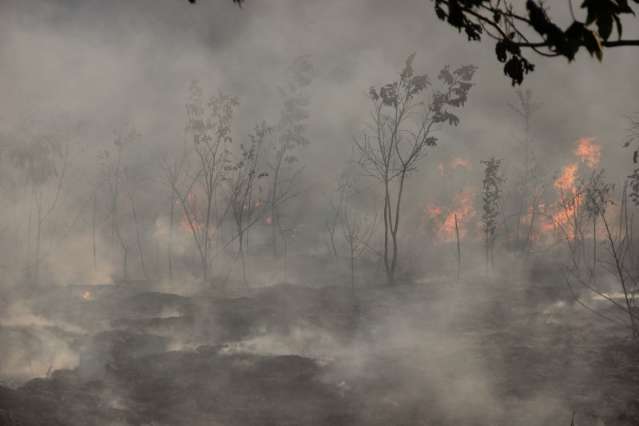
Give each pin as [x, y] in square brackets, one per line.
[99, 63]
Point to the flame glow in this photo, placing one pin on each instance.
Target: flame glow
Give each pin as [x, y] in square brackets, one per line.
[569, 202]
[563, 214]
[565, 183]
[588, 152]
[462, 212]
[88, 296]
[460, 162]
[194, 224]
[452, 165]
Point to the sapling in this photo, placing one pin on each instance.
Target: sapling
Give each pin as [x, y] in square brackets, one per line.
[405, 114]
[491, 197]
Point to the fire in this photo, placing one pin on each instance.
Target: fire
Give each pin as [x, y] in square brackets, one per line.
[455, 163]
[459, 162]
[565, 183]
[459, 215]
[434, 211]
[588, 151]
[88, 296]
[563, 217]
[194, 224]
[569, 202]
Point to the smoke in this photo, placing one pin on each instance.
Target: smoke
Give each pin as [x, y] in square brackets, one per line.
[75, 75]
[34, 346]
[84, 269]
[87, 72]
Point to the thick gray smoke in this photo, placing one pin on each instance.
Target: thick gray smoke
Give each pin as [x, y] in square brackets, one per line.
[79, 77]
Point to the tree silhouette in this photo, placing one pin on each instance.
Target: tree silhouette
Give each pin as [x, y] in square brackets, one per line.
[238, 2]
[242, 181]
[405, 113]
[517, 32]
[491, 197]
[289, 138]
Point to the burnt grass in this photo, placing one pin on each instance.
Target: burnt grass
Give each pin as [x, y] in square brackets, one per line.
[469, 353]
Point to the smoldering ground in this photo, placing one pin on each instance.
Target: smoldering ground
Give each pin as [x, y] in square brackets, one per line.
[104, 316]
[413, 355]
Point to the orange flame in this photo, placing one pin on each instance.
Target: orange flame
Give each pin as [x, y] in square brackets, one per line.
[459, 162]
[434, 211]
[588, 152]
[88, 296]
[461, 213]
[565, 183]
[455, 163]
[569, 202]
[561, 216]
[194, 224]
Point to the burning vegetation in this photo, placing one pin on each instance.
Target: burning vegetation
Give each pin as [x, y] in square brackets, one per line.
[248, 283]
[549, 219]
[588, 152]
[456, 221]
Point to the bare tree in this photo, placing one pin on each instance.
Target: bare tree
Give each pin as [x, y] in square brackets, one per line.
[357, 230]
[491, 196]
[332, 223]
[337, 204]
[114, 176]
[195, 177]
[289, 137]
[43, 162]
[243, 177]
[528, 187]
[618, 259]
[633, 138]
[138, 234]
[403, 121]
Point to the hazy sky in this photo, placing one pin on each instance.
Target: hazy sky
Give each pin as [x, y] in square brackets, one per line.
[96, 64]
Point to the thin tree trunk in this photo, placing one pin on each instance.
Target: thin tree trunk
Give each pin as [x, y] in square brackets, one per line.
[331, 235]
[93, 224]
[29, 255]
[243, 259]
[387, 221]
[622, 279]
[594, 245]
[275, 219]
[458, 247]
[36, 258]
[138, 239]
[125, 263]
[531, 228]
[240, 242]
[170, 243]
[285, 243]
[487, 252]
[395, 227]
[352, 268]
[207, 224]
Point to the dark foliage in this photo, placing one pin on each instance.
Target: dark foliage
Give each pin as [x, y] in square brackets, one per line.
[491, 195]
[516, 32]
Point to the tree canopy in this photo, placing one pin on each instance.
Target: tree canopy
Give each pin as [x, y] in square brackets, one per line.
[520, 32]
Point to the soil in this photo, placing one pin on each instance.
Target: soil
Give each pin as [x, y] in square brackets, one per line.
[473, 352]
